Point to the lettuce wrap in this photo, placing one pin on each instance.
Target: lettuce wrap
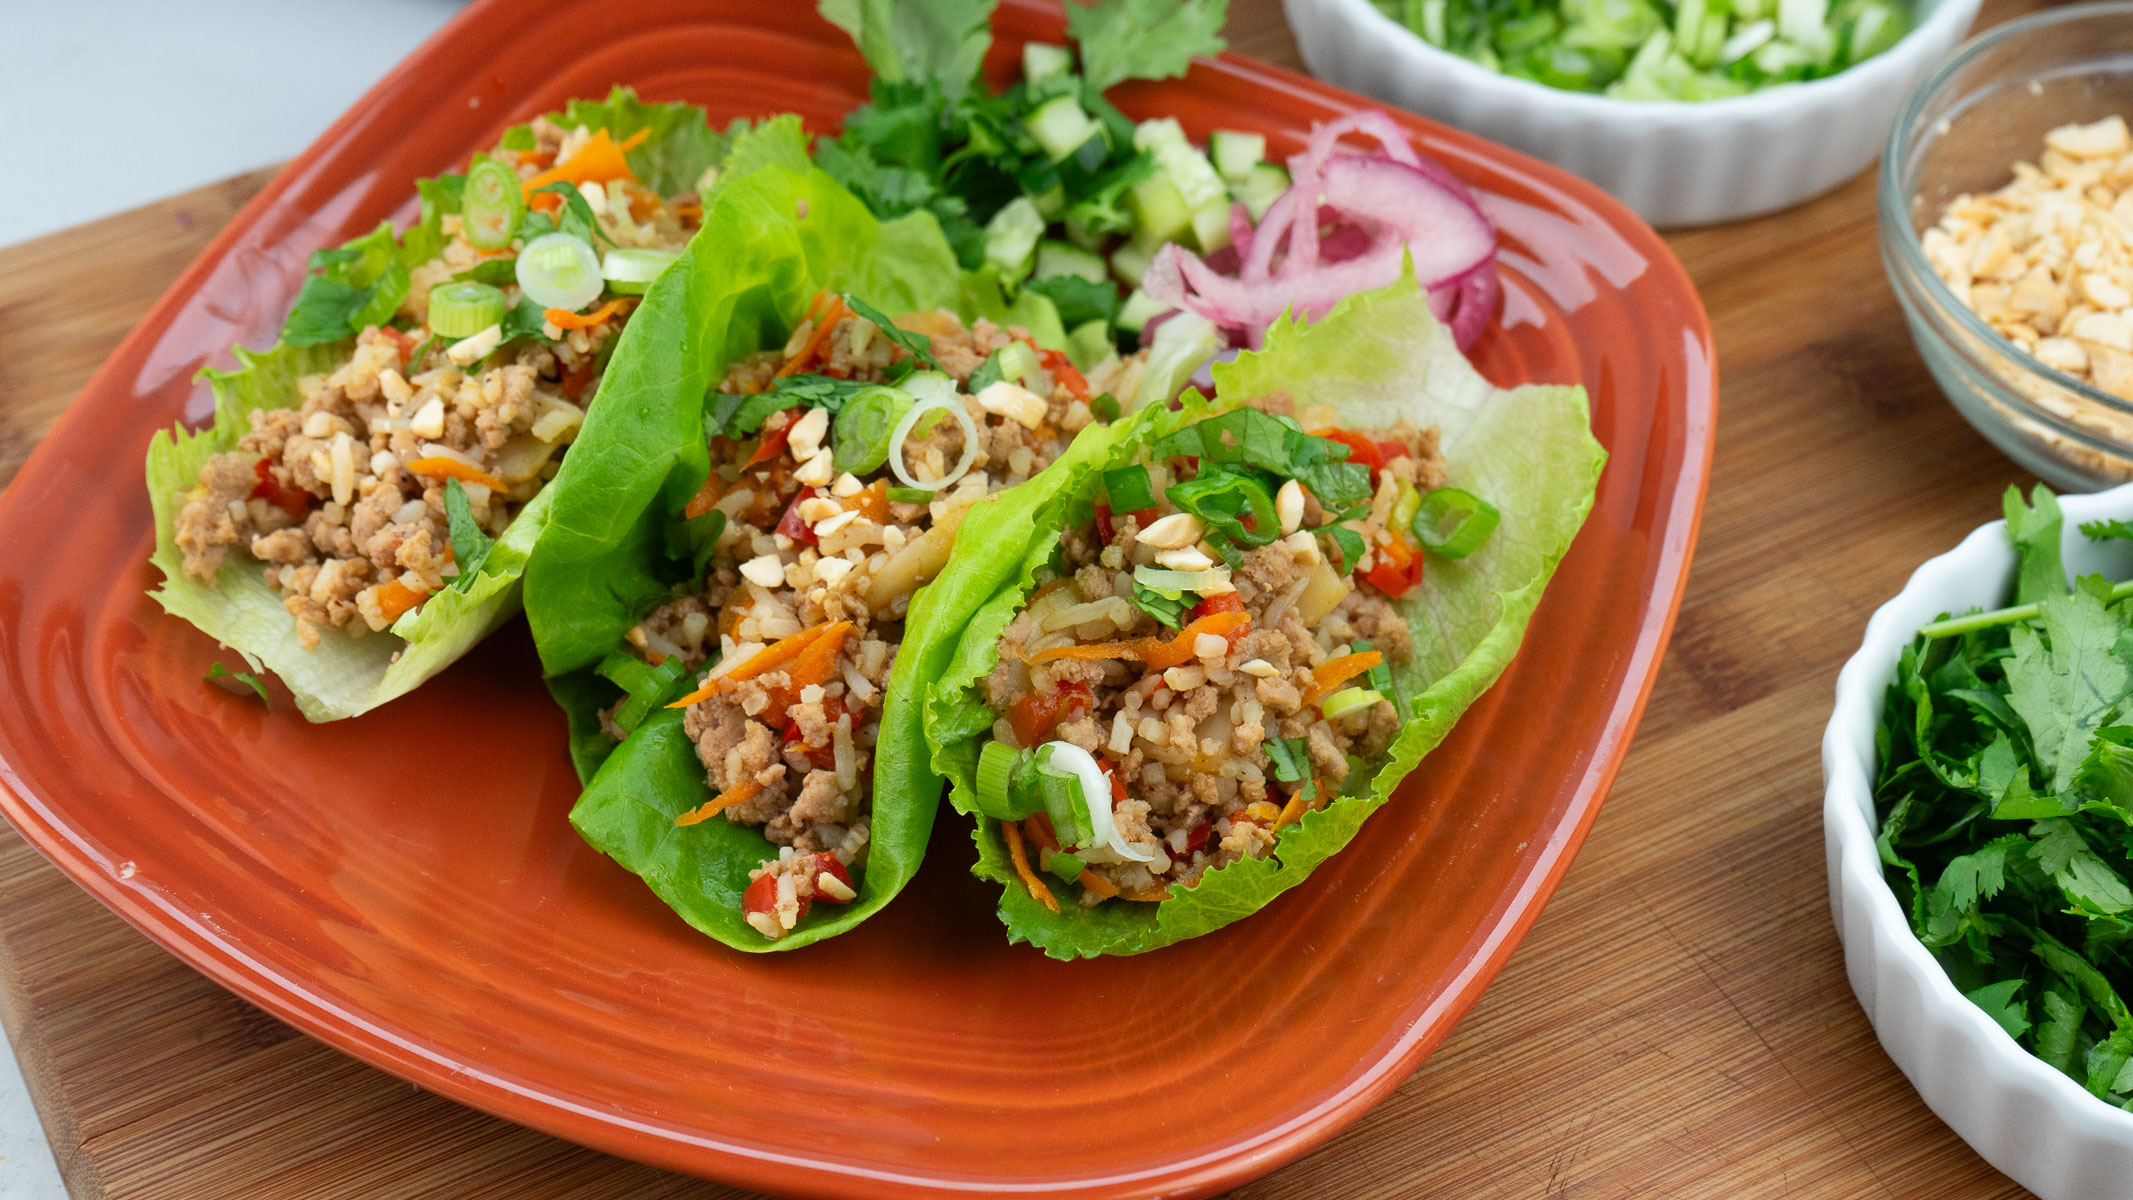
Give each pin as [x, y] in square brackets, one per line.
[366, 283]
[620, 542]
[1378, 359]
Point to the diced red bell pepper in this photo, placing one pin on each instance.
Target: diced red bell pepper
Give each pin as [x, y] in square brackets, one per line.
[823, 756]
[1197, 838]
[775, 438]
[1396, 569]
[1219, 603]
[794, 526]
[1388, 450]
[827, 863]
[762, 896]
[1107, 528]
[1063, 370]
[575, 379]
[1036, 715]
[294, 501]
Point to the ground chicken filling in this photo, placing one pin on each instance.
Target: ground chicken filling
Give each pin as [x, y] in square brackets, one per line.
[341, 499]
[1182, 716]
[814, 570]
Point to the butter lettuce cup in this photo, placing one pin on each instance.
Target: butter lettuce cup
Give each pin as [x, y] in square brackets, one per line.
[752, 734]
[1228, 637]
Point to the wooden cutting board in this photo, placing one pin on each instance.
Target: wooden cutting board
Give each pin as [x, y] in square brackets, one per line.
[1676, 1025]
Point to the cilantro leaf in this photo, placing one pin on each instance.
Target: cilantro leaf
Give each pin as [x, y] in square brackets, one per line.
[919, 346]
[736, 414]
[2034, 529]
[1144, 39]
[1999, 1002]
[1078, 300]
[470, 545]
[218, 671]
[1290, 758]
[1166, 606]
[577, 220]
[527, 319]
[2066, 682]
[1253, 438]
[918, 40]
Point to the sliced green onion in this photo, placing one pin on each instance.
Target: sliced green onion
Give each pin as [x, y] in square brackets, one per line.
[996, 773]
[1064, 865]
[460, 310]
[1104, 407]
[860, 435]
[556, 270]
[1406, 503]
[1017, 361]
[491, 205]
[1453, 522]
[904, 495]
[1062, 800]
[1348, 700]
[629, 271]
[1181, 581]
[1129, 489]
[1380, 676]
[931, 390]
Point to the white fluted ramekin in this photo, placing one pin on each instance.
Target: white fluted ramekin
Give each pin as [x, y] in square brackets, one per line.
[1674, 162]
[2027, 1119]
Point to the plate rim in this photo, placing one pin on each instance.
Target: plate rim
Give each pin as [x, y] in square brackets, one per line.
[201, 947]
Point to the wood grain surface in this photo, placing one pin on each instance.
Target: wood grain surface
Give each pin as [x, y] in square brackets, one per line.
[1676, 1025]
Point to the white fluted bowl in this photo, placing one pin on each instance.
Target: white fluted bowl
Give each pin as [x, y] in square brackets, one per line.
[1674, 162]
[2025, 1118]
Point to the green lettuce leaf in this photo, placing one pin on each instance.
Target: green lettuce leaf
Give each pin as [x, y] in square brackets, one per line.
[344, 675]
[1144, 39]
[641, 455]
[1378, 358]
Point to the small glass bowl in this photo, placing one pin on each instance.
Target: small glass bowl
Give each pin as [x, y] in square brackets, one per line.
[1963, 129]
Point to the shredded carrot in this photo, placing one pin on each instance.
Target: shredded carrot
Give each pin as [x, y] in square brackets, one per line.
[1183, 649]
[740, 793]
[817, 661]
[832, 313]
[706, 497]
[396, 598]
[1037, 891]
[769, 658]
[1293, 811]
[1096, 883]
[1037, 827]
[563, 318]
[1159, 653]
[1334, 672]
[1150, 895]
[599, 160]
[451, 468]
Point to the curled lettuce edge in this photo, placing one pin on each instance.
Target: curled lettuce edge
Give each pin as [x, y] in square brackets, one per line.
[1377, 358]
[346, 675]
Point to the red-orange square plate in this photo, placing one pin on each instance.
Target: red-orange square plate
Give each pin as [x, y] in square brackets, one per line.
[405, 887]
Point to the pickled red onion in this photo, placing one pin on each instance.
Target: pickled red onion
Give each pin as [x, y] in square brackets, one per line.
[1344, 226]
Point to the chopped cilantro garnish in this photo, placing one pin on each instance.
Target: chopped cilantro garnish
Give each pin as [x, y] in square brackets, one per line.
[470, 546]
[1248, 437]
[920, 348]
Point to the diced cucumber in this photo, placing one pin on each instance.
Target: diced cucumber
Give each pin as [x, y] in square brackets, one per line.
[1261, 188]
[1089, 344]
[1060, 126]
[1079, 233]
[1060, 258]
[1011, 238]
[1041, 60]
[1235, 154]
[1138, 310]
[1210, 226]
[1130, 261]
[1187, 169]
[1051, 204]
[1160, 213]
